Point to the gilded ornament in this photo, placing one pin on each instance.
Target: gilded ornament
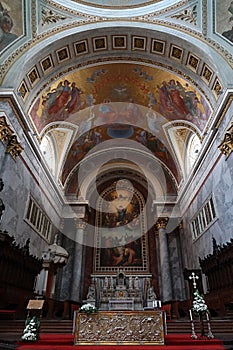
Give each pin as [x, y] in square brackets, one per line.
[161, 223]
[226, 147]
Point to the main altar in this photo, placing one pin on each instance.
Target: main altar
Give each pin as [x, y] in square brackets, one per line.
[120, 327]
[122, 284]
[128, 312]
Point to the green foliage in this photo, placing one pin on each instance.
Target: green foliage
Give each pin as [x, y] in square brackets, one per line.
[31, 330]
[199, 305]
[88, 309]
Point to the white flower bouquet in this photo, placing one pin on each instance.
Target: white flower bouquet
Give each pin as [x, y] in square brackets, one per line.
[31, 330]
[199, 305]
[88, 308]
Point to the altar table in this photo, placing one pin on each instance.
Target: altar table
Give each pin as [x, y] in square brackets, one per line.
[120, 328]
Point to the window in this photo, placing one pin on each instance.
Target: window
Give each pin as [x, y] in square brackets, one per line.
[38, 220]
[203, 219]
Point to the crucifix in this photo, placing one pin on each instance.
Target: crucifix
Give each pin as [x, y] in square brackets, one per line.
[194, 278]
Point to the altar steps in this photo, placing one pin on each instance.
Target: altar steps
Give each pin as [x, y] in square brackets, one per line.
[223, 326]
[173, 342]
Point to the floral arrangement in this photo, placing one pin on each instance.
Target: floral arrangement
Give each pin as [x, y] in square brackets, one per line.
[199, 305]
[88, 308]
[31, 330]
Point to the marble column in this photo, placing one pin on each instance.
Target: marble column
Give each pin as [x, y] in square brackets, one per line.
[164, 260]
[75, 294]
[183, 261]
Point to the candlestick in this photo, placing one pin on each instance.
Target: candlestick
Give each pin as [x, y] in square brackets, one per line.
[191, 316]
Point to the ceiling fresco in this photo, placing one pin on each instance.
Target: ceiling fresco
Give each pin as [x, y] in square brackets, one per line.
[11, 22]
[96, 89]
[88, 141]
[90, 74]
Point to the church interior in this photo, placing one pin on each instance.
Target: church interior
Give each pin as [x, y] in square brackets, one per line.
[116, 140]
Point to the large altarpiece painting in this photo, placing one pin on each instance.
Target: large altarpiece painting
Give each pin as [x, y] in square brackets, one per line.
[120, 231]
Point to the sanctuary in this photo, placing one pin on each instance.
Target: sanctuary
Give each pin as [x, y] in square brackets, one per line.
[128, 312]
[116, 140]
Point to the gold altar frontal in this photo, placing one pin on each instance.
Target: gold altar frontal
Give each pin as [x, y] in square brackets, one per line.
[120, 327]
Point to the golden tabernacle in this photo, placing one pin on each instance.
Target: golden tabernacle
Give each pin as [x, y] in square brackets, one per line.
[120, 327]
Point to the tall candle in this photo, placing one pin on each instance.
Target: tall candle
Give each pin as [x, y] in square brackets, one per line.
[191, 316]
[207, 316]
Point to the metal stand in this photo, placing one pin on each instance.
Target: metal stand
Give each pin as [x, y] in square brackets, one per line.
[209, 334]
[193, 335]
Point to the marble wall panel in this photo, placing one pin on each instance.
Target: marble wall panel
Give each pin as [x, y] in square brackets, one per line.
[24, 177]
[216, 179]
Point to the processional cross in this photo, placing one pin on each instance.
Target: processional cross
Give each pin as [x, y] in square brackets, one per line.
[194, 278]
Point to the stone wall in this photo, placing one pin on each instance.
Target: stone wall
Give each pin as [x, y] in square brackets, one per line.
[213, 177]
[24, 177]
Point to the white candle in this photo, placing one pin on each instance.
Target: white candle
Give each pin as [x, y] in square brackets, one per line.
[191, 316]
[207, 316]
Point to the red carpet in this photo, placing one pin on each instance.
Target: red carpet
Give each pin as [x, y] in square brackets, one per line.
[173, 342]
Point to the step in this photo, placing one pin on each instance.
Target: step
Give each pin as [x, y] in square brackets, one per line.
[65, 326]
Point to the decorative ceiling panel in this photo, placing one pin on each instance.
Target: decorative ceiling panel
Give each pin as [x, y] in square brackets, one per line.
[157, 89]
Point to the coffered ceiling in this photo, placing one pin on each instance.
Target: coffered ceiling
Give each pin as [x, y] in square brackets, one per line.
[111, 72]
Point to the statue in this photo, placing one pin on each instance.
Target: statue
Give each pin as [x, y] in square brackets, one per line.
[111, 283]
[91, 292]
[130, 282]
[106, 283]
[151, 296]
[136, 283]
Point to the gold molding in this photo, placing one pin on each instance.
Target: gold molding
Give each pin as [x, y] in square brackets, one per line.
[226, 147]
[8, 138]
[162, 223]
[13, 147]
[5, 130]
[119, 327]
[80, 223]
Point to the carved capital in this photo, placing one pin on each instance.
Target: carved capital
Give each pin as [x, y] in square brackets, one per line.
[5, 130]
[13, 147]
[7, 137]
[161, 223]
[181, 225]
[226, 147]
[79, 223]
